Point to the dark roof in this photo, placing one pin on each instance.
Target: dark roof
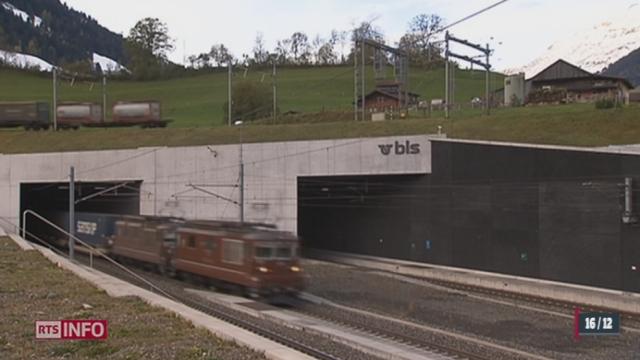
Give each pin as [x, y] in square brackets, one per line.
[393, 95]
[560, 69]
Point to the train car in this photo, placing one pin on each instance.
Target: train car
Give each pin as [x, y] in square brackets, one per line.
[143, 113]
[95, 229]
[74, 115]
[145, 239]
[31, 115]
[262, 261]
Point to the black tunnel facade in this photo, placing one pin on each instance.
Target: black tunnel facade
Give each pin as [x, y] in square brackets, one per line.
[539, 212]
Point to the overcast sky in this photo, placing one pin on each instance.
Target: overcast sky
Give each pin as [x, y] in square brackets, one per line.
[521, 29]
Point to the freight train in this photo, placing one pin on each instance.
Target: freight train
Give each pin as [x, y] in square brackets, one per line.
[257, 258]
[36, 115]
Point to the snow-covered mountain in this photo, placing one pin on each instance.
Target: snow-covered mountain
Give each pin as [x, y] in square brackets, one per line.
[595, 48]
[23, 61]
[108, 65]
[55, 32]
[34, 20]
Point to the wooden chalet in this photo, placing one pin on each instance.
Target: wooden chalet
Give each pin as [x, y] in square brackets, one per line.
[577, 85]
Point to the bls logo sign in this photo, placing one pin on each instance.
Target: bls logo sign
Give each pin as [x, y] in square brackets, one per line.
[400, 149]
[72, 330]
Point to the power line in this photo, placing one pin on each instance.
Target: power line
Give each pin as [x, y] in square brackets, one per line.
[469, 17]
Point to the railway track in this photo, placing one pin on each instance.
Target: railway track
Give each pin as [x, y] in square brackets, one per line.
[446, 345]
[630, 321]
[397, 336]
[175, 289]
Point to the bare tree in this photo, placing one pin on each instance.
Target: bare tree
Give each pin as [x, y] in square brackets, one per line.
[367, 31]
[282, 51]
[260, 53]
[340, 37]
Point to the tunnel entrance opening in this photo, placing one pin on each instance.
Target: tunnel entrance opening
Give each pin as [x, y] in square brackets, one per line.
[372, 215]
[51, 200]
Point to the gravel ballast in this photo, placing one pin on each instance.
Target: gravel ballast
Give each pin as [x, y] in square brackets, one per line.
[507, 325]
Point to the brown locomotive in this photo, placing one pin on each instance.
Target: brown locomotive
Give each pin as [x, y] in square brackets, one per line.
[254, 257]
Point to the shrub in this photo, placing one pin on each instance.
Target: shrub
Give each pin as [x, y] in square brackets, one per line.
[605, 104]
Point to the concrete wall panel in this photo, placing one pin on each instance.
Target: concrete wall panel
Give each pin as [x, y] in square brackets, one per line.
[271, 172]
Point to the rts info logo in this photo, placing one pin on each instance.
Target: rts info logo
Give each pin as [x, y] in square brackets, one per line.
[72, 330]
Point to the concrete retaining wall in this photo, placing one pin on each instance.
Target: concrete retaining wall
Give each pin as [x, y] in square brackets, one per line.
[271, 172]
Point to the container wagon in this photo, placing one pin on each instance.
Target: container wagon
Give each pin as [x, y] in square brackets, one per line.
[95, 229]
[31, 115]
[74, 115]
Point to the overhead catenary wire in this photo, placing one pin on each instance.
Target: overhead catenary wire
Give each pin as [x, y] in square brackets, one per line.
[468, 17]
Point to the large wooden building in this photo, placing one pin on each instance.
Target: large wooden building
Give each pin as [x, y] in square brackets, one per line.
[565, 82]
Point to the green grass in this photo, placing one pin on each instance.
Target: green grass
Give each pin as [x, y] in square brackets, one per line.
[578, 125]
[32, 288]
[324, 96]
[199, 100]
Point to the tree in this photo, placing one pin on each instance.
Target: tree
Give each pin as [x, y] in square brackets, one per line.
[300, 48]
[3, 38]
[260, 53]
[220, 55]
[340, 37]
[251, 100]
[152, 36]
[282, 51]
[417, 41]
[147, 46]
[366, 31]
[324, 51]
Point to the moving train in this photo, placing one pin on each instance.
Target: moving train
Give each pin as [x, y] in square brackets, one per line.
[36, 115]
[257, 258]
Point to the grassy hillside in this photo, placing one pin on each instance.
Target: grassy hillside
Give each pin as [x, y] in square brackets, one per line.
[198, 101]
[579, 125]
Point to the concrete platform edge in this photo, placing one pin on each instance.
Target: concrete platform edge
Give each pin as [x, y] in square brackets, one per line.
[117, 288]
[24, 245]
[592, 296]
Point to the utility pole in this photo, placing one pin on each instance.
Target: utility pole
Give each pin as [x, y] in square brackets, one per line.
[241, 179]
[229, 91]
[104, 98]
[487, 101]
[485, 50]
[275, 96]
[355, 82]
[362, 74]
[446, 77]
[72, 208]
[55, 100]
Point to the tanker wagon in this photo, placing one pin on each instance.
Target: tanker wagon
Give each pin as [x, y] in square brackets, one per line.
[74, 115]
[143, 113]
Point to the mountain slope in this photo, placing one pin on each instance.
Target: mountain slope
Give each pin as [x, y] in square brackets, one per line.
[595, 48]
[54, 32]
[628, 67]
